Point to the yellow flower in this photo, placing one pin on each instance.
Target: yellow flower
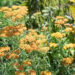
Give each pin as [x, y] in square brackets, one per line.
[68, 29]
[59, 17]
[15, 7]
[58, 35]
[44, 49]
[71, 45]
[26, 62]
[4, 8]
[52, 45]
[65, 20]
[59, 22]
[67, 24]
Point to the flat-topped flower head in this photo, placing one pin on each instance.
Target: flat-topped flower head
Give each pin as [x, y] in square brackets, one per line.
[45, 73]
[15, 12]
[58, 35]
[70, 45]
[33, 41]
[9, 31]
[67, 61]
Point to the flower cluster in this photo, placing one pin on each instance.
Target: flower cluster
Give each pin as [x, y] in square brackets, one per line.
[68, 29]
[11, 55]
[12, 30]
[63, 22]
[70, 45]
[18, 66]
[20, 73]
[3, 50]
[58, 35]
[15, 12]
[52, 44]
[33, 41]
[45, 73]
[60, 21]
[30, 72]
[38, 51]
[67, 61]
[21, 67]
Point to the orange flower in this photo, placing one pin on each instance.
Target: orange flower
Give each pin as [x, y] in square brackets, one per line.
[12, 30]
[48, 73]
[28, 48]
[1, 54]
[52, 45]
[66, 20]
[44, 49]
[3, 35]
[59, 22]
[45, 73]
[14, 12]
[26, 62]
[13, 18]
[16, 51]
[33, 41]
[71, 45]
[20, 67]
[11, 55]
[15, 64]
[58, 35]
[32, 72]
[4, 8]
[20, 73]
[59, 17]
[15, 7]
[66, 61]
[29, 63]
[15, 56]
[68, 29]
[67, 25]
[7, 56]
[2, 49]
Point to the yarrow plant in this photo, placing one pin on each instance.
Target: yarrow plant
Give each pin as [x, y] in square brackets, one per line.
[15, 12]
[46, 50]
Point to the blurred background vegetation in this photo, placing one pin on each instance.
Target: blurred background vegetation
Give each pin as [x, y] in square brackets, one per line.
[35, 5]
[49, 10]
